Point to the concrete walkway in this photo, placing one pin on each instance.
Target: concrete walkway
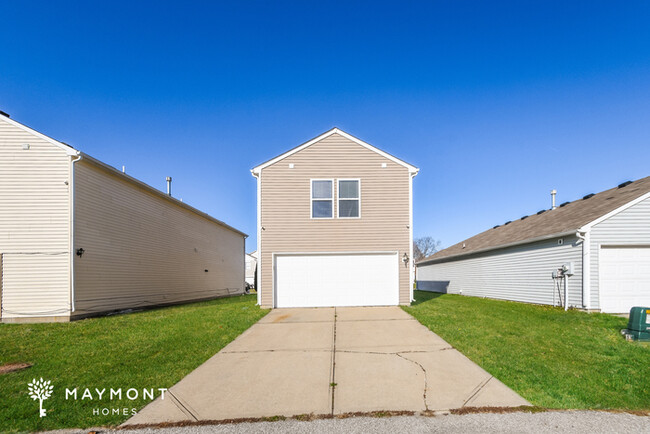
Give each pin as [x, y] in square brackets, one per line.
[329, 361]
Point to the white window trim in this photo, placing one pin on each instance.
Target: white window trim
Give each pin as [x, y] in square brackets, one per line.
[311, 198]
[338, 199]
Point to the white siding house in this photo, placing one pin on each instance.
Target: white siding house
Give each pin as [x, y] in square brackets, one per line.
[251, 268]
[604, 237]
[80, 238]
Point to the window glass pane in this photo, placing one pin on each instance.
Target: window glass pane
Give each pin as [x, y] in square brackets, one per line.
[349, 189]
[321, 208]
[349, 208]
[321, 189]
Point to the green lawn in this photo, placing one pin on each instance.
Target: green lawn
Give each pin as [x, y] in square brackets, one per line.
[553, 358]
[149, 349]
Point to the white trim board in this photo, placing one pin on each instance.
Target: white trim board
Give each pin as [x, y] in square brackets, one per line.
[412, 169]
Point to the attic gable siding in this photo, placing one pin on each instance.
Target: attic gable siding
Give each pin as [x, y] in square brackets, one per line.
[34, 224]
[630, 226]
[286, 206]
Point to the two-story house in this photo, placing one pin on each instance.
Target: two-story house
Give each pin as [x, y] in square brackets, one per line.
[334, 225]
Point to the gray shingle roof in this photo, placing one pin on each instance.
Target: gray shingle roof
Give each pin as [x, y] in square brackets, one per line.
[569, 217]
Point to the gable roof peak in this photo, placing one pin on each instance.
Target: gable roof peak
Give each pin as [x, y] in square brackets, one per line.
[335, 130]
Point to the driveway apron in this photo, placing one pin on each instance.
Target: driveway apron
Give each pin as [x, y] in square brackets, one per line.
[325, 361]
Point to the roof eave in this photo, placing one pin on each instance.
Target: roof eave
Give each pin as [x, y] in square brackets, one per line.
[588, 226]
[433, 259]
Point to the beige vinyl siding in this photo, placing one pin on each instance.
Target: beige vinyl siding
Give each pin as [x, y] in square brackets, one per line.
[34, 225]
[519, 273]
[629, 227]
[143, 249]
[286, 220]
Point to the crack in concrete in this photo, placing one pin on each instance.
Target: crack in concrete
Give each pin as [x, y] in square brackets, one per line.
[185, 408]
[395, 352]
[377, 320]
[292, 322]
[401, 356]
[287, 350]
[477, 390]
[268, 322]
[424, 371]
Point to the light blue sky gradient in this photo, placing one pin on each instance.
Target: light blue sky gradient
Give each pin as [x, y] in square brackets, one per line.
[496, 102]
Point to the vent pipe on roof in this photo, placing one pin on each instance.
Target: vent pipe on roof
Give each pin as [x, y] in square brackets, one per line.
[169, 185]
[553, 193]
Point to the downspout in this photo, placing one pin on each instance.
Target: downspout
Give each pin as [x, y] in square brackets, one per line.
[586, 267]
[566, 292]
[258, 264]
[72, 227]
[412, 269]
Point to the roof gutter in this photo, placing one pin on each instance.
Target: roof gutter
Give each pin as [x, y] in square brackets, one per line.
[502, 246]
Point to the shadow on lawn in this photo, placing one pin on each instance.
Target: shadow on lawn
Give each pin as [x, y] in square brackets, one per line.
[425, 296]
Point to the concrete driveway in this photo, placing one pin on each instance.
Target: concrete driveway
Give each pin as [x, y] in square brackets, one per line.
[329, 361]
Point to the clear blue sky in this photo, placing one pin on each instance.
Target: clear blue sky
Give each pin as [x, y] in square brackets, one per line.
[496, 102]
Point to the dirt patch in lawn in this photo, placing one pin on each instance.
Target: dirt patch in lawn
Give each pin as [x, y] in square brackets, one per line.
[13, 367]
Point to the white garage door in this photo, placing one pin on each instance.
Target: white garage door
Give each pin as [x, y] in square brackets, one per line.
[624, 278]
[320, 280]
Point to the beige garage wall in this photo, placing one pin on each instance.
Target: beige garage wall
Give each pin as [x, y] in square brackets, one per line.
[142, 249]
[286, 207]
[34, 225]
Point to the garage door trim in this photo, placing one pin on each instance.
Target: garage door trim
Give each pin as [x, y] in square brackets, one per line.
[359, 253]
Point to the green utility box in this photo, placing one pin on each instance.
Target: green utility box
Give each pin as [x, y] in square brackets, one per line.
[638, 327]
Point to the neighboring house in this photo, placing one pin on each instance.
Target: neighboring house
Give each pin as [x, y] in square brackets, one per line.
[251, 268]
[604, 238]
[80, 238]
[334, 225]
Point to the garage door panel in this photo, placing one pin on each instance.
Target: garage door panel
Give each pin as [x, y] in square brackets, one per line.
[319, 280]
[624, 278]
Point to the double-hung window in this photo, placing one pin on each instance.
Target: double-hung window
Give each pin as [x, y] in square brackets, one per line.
[322, 198]
[349, 198]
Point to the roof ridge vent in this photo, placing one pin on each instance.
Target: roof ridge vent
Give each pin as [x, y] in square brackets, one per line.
[564, 204]
[496, 226]
[507, 223]
[625, 184]
[524, 217]
[590, 195]
[541, 212]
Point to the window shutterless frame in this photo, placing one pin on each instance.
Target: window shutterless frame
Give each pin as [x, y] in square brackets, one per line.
[339, 198]
[312, 199]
